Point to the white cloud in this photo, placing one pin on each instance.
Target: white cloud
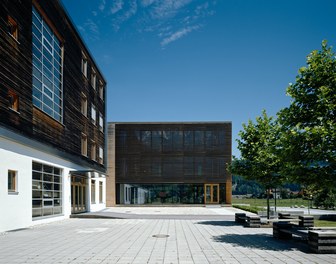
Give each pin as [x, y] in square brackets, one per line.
[146, 3]
[117, 6]
[178, 34]
[102, 5]
[90, 30]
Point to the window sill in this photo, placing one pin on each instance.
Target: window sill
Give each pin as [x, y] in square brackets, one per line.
[13, 193]
[13, 38]
[13, 110]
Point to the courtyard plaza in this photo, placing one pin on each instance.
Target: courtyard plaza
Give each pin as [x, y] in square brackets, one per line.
[153, 235]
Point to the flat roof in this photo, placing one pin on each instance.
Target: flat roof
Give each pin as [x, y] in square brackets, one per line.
[172, 123]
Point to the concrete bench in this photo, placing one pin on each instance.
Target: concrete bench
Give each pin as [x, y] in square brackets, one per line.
[306, 221]
[282, 230]
[322, 241]
[240, 218]
[253, 221]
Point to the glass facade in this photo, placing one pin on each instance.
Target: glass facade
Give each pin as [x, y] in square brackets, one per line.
[46, 190]
[171, 163]
[47, 68]
[164, 193]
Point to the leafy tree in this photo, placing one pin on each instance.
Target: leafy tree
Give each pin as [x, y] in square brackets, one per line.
[258, 147]
[308, 125]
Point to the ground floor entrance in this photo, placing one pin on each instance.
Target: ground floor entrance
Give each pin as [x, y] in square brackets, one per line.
[78, 194]
[199, 193]
[211, 193]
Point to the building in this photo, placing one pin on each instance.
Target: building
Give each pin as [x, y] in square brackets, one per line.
[52, 117]
[169, 163]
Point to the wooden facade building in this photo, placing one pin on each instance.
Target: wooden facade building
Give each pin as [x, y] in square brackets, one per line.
[169, 163]
[52, 113]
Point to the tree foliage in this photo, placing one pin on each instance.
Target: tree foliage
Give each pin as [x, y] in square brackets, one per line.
[258, 147]
[308, 138]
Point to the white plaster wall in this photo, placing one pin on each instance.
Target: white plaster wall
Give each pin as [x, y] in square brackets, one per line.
[16, 209]
[97, 206]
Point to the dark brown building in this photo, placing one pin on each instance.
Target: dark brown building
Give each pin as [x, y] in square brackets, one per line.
[169, 163]
[52, 110]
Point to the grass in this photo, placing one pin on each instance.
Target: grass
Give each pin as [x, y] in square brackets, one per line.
[252, 209]
[324, 223]
[254, 202]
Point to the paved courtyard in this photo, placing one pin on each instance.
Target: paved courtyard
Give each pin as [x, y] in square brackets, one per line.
[153, 240]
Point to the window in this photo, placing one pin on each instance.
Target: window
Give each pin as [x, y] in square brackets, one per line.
[13, 100]
[13, 28]
[47, 68]
[93, 114]
[100, 192]
[101, 122]
[84, 145]
[93, 150]
[84, 64]
[12, 181]
[101, 155]
[46, 190]
[84, 104]
[93, 191]
[101, 90]
[93, 78]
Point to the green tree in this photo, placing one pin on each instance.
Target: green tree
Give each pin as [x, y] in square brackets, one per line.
[259, 159]
[308, 125]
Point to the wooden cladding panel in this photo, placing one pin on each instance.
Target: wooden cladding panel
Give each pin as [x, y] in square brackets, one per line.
[16, 74]
[144, 157]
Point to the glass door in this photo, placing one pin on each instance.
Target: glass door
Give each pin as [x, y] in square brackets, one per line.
[211, 193]
[78, 195]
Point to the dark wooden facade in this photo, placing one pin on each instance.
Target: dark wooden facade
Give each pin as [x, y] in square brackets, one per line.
[173, 153]
[16, 75]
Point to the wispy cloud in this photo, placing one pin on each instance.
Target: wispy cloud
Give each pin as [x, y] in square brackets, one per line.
[90, 30]
[117, 6]
[170, 20]
[178, 34]
[102, 5]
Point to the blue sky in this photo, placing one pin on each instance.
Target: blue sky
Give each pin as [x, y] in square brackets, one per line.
[191, 60]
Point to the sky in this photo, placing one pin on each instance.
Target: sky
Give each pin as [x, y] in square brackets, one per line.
[192, 60]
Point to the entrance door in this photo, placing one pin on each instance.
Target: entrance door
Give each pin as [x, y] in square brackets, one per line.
[211, 193]
[78, 195]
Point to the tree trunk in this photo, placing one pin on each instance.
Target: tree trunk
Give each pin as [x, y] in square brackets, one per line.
[268, 203]
[275, 199]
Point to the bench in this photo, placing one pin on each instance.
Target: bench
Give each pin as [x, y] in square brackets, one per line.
[253, 221]
[248, 221]
[240, 218]
[322, 241]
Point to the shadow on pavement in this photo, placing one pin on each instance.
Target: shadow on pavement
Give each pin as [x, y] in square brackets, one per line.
[261, 241]
[218, 223]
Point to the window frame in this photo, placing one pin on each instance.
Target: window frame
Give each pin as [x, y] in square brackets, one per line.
[101, 90]
[13, 28]
[101, 155]
[13, 100]
[84, 150]
[12, 181]
[101, 122]
[84, 64]
[84, 103]
[93, 78]
[93, 152]
[93, 116]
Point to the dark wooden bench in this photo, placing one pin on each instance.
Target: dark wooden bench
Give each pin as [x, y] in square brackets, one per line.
[322, 241]
[253, 221]
[240, 218]
[248, 221]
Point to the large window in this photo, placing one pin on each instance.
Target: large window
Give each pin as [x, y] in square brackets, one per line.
[47, 190]
[47, 68]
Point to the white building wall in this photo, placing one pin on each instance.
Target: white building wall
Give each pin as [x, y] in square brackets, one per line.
[16, 209]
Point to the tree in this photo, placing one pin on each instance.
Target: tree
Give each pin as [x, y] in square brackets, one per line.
[309, 124]
[259, 159]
